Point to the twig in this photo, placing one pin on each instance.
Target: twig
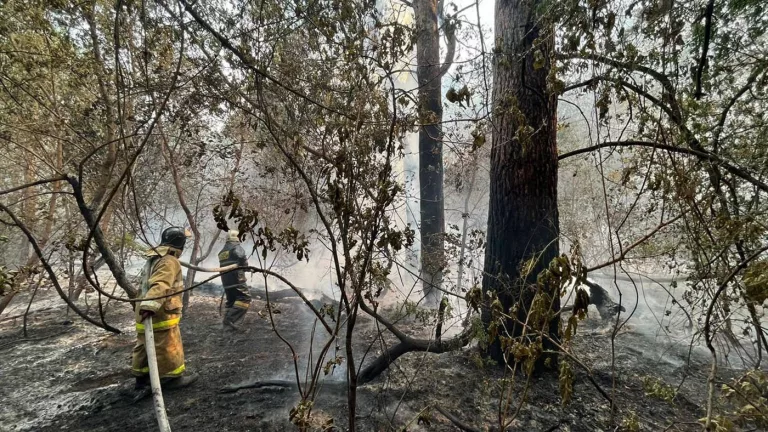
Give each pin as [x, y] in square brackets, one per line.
[257, 384]
[29, 305]
[13, 317]
[456, 422]
[39, 182]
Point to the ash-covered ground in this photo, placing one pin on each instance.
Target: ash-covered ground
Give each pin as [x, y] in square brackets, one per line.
[69, 375]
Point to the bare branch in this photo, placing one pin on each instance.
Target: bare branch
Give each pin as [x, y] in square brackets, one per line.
[450, 37]
[407, 344]
[670, 111]
[36, 183]
[660, 77]
[704, 155]
[723, 285]
[249, 62]
[637, 243]
[97, 235]
[724, 115]
[52, 274]
[704, 49]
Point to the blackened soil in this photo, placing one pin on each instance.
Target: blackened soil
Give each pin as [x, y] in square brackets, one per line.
[71, 376]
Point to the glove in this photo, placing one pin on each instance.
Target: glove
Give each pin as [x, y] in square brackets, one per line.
[145, 314]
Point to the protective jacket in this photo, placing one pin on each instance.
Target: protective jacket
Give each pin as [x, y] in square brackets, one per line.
[233, 253]
[162, 276]
[235, 287]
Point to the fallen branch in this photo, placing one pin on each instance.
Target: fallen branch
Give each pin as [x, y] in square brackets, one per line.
[456, 422]
[407, 344]
[257, 384]
[556, 427]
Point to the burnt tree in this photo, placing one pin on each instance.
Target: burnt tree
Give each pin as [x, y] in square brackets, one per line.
[523, 225]
[430, 147]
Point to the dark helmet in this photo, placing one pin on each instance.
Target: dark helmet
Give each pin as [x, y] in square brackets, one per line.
[174, 237]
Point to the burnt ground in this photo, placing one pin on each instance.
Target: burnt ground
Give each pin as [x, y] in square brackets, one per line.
[71, 376]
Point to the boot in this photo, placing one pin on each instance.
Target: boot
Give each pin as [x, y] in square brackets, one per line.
[227, 322]
[232, 316]
[141, 394]
[142, 388]
[178, 383]
[141, 382]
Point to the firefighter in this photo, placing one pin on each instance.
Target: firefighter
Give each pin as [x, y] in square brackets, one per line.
[238, 297]
[162, 276]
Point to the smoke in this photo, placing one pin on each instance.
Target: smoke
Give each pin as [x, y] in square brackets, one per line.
[657, 309]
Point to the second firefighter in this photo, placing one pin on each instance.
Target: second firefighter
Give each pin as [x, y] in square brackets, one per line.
[234, 282]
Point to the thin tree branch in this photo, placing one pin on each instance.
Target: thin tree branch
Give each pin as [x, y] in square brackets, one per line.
[450, 37]
[704, 155]
[637, 243]
[660, 77]
[704, 49]
[249, 62]
[52, 274]
[36, 183]
[724, 115]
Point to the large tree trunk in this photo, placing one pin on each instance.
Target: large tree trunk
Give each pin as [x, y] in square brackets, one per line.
[522, 216]
[430, 148]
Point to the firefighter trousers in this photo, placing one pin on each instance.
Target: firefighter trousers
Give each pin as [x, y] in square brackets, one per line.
[169, 350]
[238, 302]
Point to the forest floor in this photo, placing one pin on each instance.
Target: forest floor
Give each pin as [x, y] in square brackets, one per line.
[68, 375]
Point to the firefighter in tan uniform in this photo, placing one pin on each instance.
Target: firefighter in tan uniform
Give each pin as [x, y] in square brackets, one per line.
[161, 277]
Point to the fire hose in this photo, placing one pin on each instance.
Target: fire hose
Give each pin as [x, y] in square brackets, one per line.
[154, 375]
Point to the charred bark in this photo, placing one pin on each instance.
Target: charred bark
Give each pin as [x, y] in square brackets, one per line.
[430, 148]
[523, 216]
[106, 252]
